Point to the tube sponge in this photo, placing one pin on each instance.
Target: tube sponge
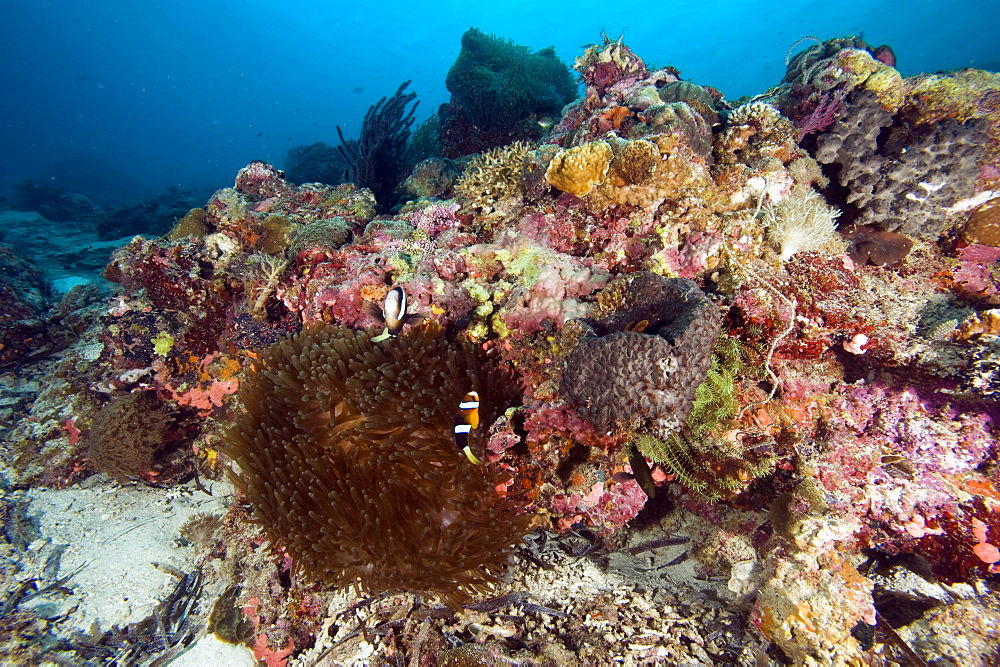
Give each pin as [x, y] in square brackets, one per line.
[346, 452]
[800, 221]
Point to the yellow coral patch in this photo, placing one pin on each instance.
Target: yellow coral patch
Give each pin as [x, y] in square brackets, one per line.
[887, 83]
[579, 169]
[492, 181]
[635, 161]
[162, 343]
[192, 224]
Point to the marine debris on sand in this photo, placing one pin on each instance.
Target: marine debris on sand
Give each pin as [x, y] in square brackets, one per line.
[735, 369]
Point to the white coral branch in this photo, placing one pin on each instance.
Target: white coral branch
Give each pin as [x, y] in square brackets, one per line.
[800, 221]
[271, 269]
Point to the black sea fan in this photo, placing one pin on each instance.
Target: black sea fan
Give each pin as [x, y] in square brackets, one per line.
[345, 450]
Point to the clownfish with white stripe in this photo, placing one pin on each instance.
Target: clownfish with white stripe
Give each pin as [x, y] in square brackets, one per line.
[392, 314]
[467, 419]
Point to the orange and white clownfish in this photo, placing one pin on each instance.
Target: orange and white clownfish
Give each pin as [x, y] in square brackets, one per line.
[466, 420]
[392, 313]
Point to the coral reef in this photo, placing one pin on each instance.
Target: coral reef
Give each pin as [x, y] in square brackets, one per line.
[728, 411]
[316, 163]
[24, 295]
[153, 216]
[904, 154]
[707, 454]
[812, 598]
[819, 79]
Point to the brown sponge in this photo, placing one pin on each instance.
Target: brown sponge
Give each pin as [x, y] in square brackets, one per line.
[640, 360]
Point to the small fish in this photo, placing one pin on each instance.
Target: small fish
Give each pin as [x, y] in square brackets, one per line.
[392, 313]
[546, 122]
[637, 327]
[467, 419]
[640, 472]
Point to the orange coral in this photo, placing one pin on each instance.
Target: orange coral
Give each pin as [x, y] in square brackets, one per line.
[579, 169]
[985, 323]
[616, 116]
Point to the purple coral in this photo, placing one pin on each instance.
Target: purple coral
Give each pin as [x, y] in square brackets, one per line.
[436, 218]
[260, 180]
[824, 114]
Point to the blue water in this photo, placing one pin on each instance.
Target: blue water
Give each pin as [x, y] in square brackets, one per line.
[118, 100]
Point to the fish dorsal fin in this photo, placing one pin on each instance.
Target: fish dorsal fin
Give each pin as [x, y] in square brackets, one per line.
[372, 310]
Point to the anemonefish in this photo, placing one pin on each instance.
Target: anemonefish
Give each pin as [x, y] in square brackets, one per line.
[392, 313]
[466, 420]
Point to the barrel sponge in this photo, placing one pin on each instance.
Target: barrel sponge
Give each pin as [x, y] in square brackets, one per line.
[345, 450]
[930, 169]
[579, 169]
[902, 176]
[639, 361]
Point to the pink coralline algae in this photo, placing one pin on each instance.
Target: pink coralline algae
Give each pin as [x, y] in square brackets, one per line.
[906, 452]
[974, 272]
[607, 508]
[551, 229]
[436, 218]
[554, 295]
[549, 420]
[261, 181]
[608, 65]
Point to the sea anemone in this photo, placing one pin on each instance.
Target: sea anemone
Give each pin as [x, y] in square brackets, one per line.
[345, 449]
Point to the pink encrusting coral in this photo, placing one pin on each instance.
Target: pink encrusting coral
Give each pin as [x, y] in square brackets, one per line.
[938, 442]
[607, 508]
[436, 218]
